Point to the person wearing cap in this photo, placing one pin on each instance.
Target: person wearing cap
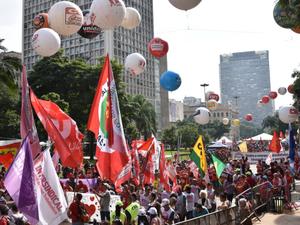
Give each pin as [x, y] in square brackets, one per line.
[167, 213]
[118, 214]
[153, 216]
[142, 217]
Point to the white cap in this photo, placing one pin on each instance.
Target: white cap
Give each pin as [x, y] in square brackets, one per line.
[152, 211]
[165, 201]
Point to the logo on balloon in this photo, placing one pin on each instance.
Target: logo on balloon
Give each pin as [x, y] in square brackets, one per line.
[293, 111]
[114, 3]
[72, 16]
[213, 96]
[88, 29]
[158, 47]
[41, 21]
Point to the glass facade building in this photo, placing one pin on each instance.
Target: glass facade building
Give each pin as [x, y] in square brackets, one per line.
[118, 43]
[244, 79]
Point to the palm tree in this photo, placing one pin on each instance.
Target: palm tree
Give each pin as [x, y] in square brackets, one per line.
[144, 116]
[10, 68]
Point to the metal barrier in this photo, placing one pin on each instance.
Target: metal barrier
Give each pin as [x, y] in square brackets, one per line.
[223, 217]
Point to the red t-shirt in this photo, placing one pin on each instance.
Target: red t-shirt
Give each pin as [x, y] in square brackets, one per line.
[75, 212]
[4, 220]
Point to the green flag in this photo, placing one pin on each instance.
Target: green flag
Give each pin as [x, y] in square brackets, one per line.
[199, 157]
[219, 165]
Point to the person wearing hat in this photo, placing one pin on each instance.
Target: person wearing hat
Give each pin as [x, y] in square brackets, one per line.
[104, 201]
[142, 217]
[167, 213]
[153, 216]
[118, 214]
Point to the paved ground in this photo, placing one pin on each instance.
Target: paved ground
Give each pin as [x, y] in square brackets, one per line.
[280, 219]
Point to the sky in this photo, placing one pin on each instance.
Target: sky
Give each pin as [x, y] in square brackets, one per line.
[199, 36]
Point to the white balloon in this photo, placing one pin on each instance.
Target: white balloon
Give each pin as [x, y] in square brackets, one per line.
[184, 4]
[225, 121]
[65, 18]
[288, 114]
[132, 18]
[212, 104]
[135, 63]
[282, 90]
[45, 42]
[202, 115]
[108, 14]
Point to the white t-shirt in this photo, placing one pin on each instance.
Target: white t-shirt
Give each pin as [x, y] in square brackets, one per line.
[144, 200]
[190, 201]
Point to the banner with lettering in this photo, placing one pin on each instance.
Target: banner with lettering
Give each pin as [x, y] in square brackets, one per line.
[52, 203]
[90, 183]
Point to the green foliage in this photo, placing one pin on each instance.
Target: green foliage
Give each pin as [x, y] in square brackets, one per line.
[249, 130]
[272, 123]
[215, 130]
[54, 97]
[9, 111]
[169, 137]
[144, 116]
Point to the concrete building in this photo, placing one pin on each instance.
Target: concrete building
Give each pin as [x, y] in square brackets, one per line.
[191, 101]
[244, 79]
[118, 43]
[175, 110]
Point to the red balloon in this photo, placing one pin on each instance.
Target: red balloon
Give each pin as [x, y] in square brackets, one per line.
[273, 94]
[214, 96]
[248, 117]
[158, 47]
[291, 88]
[265, 99]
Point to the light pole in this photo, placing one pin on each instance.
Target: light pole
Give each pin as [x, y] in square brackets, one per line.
[204, 85]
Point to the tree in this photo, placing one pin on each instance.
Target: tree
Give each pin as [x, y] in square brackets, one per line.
[249, 130]
[216, 130]
[271, 123]
[144, 116]
[10, 69]
[170, 137]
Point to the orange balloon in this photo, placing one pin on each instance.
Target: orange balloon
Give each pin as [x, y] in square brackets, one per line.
[41, 21]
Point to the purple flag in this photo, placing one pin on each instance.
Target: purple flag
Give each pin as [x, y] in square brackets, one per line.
[27, 125]
[19, 183]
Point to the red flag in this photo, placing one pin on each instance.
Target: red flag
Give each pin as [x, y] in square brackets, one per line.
[164, 179]
[275, 145]
[149, 169]
[171, 172]
[27, 125]
[281, 135]
[106, 124]
[61, 129]
[135, 165]
[145, 147]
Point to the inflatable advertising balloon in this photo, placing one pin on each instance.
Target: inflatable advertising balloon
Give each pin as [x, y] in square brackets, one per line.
[288, 114]
[202, 115]
[273, 94]
[285, 16]
[65, 18]
[45, 42]
[88, 29]
[108, 14]
[135, 63]
[41, 21]
[225, 121]
[291, 88]
[170, 81]
[184, 4]
[282, 90]
[212, 104]
[265, 99]
[235, 122]
[213, 96]
[248, 117]
[132, 18]
[158, 47]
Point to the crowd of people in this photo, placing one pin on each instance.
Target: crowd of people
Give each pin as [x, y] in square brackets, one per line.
[191, 196]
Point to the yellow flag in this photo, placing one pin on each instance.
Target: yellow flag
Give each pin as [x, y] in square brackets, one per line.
[199, 151]
[243, 146]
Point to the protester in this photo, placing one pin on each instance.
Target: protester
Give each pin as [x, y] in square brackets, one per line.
[77, 212]
[118, 213]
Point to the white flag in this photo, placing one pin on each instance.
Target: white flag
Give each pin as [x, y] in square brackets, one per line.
[269, 159]
[52, 203]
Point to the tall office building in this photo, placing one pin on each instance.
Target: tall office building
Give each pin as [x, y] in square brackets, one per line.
[118, 43]
[244, 79]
